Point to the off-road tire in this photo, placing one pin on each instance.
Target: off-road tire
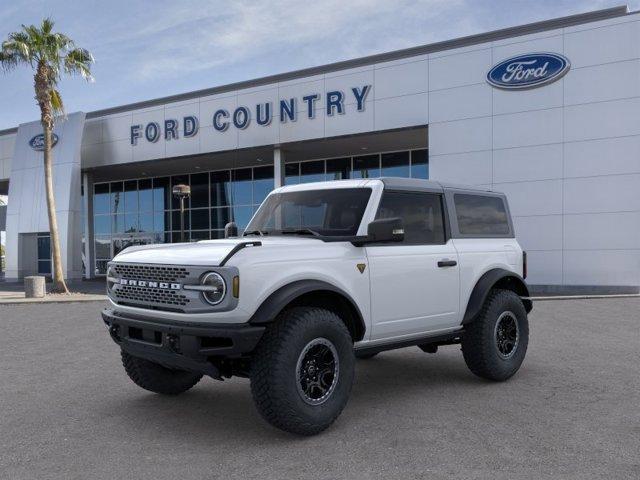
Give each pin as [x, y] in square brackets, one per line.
[479, 342]
[156, 378]
[274, 370]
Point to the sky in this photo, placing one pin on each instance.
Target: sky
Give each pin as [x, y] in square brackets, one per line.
[150, 49]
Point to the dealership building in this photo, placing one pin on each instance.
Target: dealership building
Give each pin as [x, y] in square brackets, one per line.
[548, 113]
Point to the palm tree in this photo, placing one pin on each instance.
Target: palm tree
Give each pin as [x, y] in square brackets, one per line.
[49, 54]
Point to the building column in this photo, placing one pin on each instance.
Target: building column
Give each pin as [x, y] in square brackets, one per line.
[278, 168]
[89, 244]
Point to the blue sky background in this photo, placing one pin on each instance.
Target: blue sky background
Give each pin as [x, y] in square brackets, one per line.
[148, 49]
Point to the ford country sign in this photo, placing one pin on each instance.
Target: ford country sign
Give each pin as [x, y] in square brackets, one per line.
[528, 71]
[37, 142]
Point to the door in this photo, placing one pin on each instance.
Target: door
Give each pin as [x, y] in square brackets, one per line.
[415, 284]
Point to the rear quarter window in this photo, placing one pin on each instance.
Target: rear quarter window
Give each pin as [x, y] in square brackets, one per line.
[481, 215]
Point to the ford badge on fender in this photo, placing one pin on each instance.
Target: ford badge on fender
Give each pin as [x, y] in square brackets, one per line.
[528, 71]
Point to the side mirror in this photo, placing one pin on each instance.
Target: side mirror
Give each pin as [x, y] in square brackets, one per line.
[230, 230]
[385, 230]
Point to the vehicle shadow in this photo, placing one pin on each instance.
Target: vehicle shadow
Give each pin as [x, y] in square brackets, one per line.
[223, 412]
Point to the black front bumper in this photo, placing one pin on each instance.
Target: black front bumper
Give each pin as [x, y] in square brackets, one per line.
[190, 346]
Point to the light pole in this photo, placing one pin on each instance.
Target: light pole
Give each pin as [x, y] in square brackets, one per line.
[181, 192]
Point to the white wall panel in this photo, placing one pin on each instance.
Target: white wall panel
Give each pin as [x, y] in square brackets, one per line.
[540, 162]
[397, 112]
[542, 232]
[544, 267]
[116, 127]
[601, 120]
[603, 45]
[459, 103]
[301, 89]
[602, 157]
[460, 136]
[92, 132]
[533, 198]
[602, 231]
[611, 193]
[302, 129]
[509, 101]
[610, 81]
[402, 79]
[350, 122]
[528, 128]
[345, 83]
[459, 69]
[602, 267]
[473, 168]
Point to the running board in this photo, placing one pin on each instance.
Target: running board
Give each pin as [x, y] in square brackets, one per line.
[449, 338]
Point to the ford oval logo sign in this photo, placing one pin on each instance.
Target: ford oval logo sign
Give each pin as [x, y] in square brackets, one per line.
[37, 142]
[528, 71]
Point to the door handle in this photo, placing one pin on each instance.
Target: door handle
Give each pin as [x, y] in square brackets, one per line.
[447, 263]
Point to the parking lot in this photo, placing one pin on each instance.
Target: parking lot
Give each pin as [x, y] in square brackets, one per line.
[67, 409]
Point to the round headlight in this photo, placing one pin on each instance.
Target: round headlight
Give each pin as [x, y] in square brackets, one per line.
[216, 288]
[111, 273]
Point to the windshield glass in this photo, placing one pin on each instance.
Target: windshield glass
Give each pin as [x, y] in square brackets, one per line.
[328, 212]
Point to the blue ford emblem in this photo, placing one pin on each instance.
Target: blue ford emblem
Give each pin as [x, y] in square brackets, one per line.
[528, 71]
[37, 142]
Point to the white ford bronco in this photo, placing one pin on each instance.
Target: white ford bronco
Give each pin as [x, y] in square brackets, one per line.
[323, 274]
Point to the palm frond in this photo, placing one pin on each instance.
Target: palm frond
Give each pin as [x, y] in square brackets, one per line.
[78, 61]
[56, 102]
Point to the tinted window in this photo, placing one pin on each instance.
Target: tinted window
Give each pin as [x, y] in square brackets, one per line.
[334, 212]
[481, 215]
[421, 215]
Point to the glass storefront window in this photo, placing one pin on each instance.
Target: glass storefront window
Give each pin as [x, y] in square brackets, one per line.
[241, 185]
[220, 188]
[262, 183]
[339, 168]
[242, 215]
[200, 190]
[366, 166]
[175, 220]
[292, 174]
[101, 198]
[312, 171]
[395, 164]
[200, 219]
[145, 195]
[161, 194]
[131, 196]
[116, 197]
[420, 164]
[220, 217]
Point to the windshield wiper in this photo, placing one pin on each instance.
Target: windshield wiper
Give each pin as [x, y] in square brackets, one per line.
[299, 231]
[261, 233]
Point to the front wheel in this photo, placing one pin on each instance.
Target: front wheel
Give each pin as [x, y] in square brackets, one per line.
[302, 370]
[495, 343]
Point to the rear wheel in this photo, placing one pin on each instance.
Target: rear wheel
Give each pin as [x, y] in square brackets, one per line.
[495, 343]
[302, 370]
[156, 378]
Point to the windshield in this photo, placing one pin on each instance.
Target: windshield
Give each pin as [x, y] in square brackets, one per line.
[327, 212]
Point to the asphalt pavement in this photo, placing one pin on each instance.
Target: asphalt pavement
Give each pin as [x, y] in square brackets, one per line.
[68, 411]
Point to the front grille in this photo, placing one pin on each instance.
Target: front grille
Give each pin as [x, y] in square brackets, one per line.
[159, 296]
[151, 272]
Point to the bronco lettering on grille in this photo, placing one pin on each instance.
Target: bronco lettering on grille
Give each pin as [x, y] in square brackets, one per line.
[149, 284]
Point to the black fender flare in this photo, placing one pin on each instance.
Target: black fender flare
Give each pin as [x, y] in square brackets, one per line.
[495, 277]
[278, 300]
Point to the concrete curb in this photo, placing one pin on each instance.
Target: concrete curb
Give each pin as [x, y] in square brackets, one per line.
[584, 297]
[54, 299]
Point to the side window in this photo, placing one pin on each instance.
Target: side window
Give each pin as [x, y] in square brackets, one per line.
[481, 215]
[421, 215]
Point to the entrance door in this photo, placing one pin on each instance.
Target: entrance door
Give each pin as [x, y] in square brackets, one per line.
[414, 284]
[44, 253]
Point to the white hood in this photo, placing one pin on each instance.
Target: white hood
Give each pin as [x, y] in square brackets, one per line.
[207, 253]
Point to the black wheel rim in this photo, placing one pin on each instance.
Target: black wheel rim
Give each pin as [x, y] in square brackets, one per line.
[507, 335]
[317, 371]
